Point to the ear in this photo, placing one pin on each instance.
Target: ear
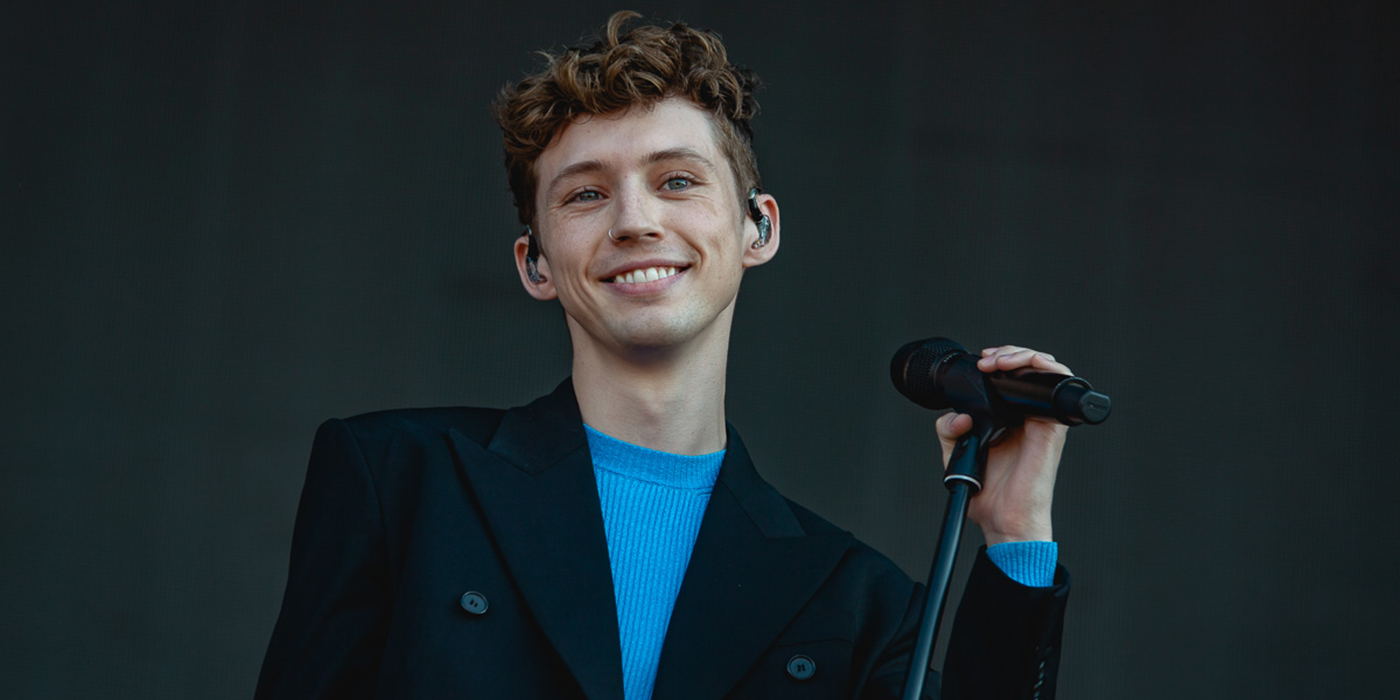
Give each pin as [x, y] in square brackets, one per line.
[542, 290]
[754, 257]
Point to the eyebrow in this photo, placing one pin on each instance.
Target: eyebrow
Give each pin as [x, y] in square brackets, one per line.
[584, 166]
[592, 166]
[679, 154]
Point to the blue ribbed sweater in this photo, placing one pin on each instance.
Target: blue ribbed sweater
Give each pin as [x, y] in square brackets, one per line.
[652, 506]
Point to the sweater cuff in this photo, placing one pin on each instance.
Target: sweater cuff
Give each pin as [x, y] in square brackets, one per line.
[1026, 563]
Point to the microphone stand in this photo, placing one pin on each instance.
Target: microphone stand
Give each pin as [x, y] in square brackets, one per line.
[964, 480]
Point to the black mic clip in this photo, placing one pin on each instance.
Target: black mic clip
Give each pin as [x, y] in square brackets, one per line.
[989, 425]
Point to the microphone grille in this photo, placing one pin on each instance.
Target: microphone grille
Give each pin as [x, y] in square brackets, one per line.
[912, 370]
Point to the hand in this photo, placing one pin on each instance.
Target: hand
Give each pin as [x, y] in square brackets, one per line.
[1019, 483]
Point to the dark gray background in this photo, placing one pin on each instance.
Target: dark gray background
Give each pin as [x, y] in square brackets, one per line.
[225, 222]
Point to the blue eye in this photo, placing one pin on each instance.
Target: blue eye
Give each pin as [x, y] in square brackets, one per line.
[677, 183]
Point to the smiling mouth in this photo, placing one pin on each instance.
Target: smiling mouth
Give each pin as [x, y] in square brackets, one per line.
[646, 274]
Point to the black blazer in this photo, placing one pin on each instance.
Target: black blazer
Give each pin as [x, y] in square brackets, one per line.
[404, 513]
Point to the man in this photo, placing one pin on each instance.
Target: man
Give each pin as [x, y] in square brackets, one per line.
[613, 540]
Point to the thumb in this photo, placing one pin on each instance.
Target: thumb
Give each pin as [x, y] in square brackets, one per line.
[951, 426]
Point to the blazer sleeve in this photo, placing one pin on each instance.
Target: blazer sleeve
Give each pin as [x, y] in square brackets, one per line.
[331, 630]
[1006, 637]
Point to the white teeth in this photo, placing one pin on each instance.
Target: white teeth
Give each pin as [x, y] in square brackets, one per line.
[650, 274]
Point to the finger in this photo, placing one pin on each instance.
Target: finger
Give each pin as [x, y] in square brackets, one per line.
[1001, 350]
[1022, 357]
[1047, 363]
[990, 356]
[952, 425]
[1006, 358]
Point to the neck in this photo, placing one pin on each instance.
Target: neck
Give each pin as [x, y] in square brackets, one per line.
[669, 399]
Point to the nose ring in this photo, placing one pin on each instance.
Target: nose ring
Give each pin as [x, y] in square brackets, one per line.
[610, 234]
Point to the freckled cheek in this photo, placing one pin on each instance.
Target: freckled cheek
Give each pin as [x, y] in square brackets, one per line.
[716, 232]
[567, 255]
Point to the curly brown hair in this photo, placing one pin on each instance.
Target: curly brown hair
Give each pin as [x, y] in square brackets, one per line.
[641, 67]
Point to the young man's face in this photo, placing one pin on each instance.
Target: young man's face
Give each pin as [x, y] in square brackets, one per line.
[680, 238]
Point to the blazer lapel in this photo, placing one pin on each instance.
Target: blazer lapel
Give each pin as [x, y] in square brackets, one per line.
[752, 570]
[534, 484]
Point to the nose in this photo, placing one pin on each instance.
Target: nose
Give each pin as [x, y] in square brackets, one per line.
[638, 216]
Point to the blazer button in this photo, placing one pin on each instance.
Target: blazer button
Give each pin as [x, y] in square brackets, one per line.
[801, 667]
[474, 603]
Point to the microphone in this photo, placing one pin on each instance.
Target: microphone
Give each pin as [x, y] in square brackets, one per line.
[937, 373]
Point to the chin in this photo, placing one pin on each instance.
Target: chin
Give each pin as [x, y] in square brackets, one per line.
[653, 339]
[656, 336]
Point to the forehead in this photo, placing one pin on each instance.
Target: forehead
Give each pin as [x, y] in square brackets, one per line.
[629, 137]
